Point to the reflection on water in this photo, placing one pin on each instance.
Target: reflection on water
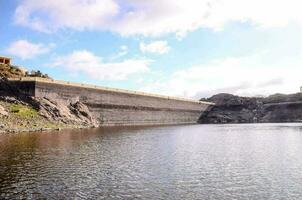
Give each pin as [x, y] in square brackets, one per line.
[261, 161]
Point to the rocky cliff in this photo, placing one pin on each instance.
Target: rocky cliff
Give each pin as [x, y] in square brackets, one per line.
[235, 109]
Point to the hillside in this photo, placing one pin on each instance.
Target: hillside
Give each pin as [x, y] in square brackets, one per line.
[235, 109]
[9, 71]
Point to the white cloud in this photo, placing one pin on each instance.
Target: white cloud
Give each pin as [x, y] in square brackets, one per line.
[124, 48]
[27, 50]
[247, 76]
[86, 63]
[157, 47]
[47, 16]
[154, 17]
[123, 51]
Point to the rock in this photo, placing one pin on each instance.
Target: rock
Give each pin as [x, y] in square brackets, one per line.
[53, 110]
[65, 112]
[235, 109]
[3, 111]
[80, 109]
[9, 99]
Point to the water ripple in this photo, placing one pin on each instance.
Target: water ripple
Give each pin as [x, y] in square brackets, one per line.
[176, 162]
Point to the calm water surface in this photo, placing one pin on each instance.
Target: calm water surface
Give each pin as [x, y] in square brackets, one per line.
[262, 161]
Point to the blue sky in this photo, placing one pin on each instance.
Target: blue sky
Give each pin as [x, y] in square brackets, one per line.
[184, 48]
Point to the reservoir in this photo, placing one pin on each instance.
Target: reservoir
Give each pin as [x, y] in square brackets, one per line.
[247, 161]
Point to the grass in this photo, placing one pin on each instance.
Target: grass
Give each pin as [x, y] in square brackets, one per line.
[23, 111]
[23, 117]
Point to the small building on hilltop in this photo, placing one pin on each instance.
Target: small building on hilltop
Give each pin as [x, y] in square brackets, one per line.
[5, 60]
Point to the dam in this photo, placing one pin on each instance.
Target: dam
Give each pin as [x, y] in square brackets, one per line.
[117, 107]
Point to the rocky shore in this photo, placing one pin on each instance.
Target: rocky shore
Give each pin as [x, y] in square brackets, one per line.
[235, 109]
[21, 113]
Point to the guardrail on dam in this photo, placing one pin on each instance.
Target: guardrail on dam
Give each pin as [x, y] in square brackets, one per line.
[115, 106]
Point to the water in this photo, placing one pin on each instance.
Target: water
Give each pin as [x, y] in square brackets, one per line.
[261, 161]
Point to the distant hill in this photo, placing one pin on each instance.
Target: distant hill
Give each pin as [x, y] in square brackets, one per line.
[235, 109]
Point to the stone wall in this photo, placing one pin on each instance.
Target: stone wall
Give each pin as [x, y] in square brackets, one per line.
[119, 107]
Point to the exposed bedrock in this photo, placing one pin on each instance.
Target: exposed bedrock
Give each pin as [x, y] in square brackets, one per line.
[234, 109]
[63, 111]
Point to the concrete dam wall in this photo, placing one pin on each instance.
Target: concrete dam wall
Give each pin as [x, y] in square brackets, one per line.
[115, 107]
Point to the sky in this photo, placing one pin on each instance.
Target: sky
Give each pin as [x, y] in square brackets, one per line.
[186, 48]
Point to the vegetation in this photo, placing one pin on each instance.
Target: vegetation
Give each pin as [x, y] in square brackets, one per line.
[22, 117]
[10, 71]
[23, 111]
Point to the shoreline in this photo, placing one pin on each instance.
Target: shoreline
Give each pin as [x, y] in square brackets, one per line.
[20, 115]
[60, 129]
[34, 130]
